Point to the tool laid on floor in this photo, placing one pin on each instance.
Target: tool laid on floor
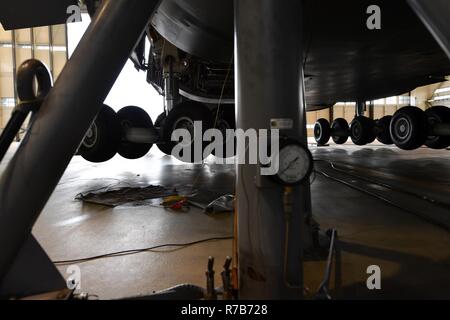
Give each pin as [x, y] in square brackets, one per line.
[176, 203]
[221, 205]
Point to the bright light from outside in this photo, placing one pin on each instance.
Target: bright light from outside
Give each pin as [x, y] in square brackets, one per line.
[440, 98]
[131, 88]
[442, 90]
[391, 101]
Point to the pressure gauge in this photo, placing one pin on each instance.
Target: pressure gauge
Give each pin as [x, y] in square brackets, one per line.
[295, 163]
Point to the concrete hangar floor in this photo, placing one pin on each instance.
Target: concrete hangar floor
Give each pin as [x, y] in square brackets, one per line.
[391, 209]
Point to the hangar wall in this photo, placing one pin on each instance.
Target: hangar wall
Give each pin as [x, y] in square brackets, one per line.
[48, 44]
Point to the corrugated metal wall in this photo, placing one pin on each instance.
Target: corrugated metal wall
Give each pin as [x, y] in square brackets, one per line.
[48, 44]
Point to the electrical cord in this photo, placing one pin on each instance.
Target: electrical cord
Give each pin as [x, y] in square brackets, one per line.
[137, 251]
[222, 92]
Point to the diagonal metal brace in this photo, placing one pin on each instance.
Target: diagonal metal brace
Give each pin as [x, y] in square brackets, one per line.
[64, 117]
[436, 17]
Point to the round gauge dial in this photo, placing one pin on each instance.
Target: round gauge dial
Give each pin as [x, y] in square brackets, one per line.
[295, 163]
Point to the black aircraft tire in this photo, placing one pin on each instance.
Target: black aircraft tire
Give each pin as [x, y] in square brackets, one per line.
[409, 128]
[362, 131]
[163, 147]
[322, 132]
[102, 140]
[183, 116]
[134, 117]
[341, 125]
[438, 115]
[384, 134]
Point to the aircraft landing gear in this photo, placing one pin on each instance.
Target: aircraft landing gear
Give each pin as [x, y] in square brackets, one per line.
[129, 132]
[412, 128]
[362, 131]
[409, 129]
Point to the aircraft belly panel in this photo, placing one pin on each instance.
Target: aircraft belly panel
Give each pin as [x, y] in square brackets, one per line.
[200, 27]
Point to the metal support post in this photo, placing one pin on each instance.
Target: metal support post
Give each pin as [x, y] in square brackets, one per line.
[360, 108]
[270, 85]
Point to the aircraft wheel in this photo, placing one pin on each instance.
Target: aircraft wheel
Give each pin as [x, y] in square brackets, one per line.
[225, 120]
[384, 134]
[103, 137]
[340, 125]
[409, 128]
[134, 117]
[438, 115]
[163, 147]
[322, 131]
[362, 130]
[184, 116]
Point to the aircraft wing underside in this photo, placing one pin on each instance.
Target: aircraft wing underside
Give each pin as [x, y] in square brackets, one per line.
[344, 60]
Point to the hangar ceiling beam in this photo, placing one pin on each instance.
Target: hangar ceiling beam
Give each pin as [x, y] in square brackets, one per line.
[436, 17]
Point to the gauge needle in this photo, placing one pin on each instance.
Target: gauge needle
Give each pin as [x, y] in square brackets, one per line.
[290, 164]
